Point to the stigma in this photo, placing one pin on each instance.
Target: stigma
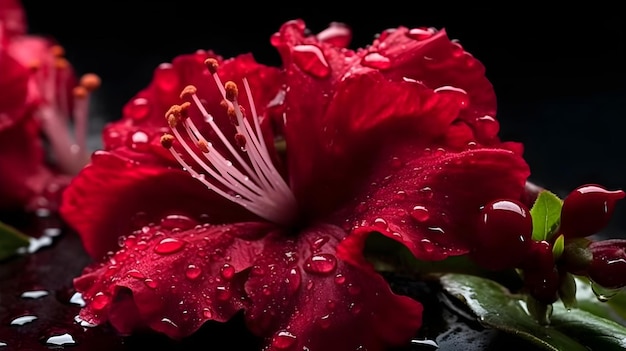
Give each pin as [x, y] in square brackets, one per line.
[242, 170]
[63, 110]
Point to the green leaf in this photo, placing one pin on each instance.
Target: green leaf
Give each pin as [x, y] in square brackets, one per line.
[571, 330]
[614, 309]
[10, 240]
[558, 247]
[546, 213]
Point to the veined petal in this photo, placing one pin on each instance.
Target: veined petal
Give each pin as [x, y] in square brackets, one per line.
[172, 281]
[430, 201]
[105, 197]
[366, 111]
[304, 298]
[12, 18]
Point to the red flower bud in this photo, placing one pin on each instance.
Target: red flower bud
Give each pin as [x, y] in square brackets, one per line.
[587, 210]
[608, 267]
[503, 235]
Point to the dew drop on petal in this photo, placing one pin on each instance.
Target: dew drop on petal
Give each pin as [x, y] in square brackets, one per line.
[427, 245]
[420, 213]
[166, 78]
[380, 223]
[150, 283]
[340, 279]
[311, 59]
[222, 293]
[319, 242]
[354, 289]
[321, 264]
[488, 126]
[337, 34]
[419, 33]
[399, 195]
[34, 294]
[324, 321]
[138, 109]
[427, 192]
[459, 93]
[206, 313]
[294, 280]
[192, 272]
[283, 340]
[100, 301]
[603, 294]
[181, 222]
[169, 246]
[135, 274]
[227, 271]
[376, 60]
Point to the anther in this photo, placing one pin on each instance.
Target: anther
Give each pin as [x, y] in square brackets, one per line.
[167, 140]
[79, 92]
[90, 81]
[184, 110]
[232, 116]
[61, 63]
[188, 91]
[211, 64]
[57, 51]
[231, 91]
[172, 120]
[203, 146]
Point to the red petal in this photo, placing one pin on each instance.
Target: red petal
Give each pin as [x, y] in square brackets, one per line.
[172, 281]
[105, 199]
[437, 62]
[12, 18]
[14, 86]
[24, 175]
[431, 202]
[304, 298]
[339, 138]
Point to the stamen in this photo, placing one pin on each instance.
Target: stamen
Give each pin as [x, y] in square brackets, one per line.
[255, 183]
[69, 146]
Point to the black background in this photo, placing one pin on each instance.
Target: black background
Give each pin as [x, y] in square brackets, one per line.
[559, 73]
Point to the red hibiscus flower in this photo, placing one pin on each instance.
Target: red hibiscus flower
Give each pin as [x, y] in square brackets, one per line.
[38, 92]
[396, 138]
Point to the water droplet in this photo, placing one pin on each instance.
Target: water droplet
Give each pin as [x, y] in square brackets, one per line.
[420, 33]
[311, 59]
[257, 271]
[380, 223]
[426, 342]
[223, 293]
[138, 109]
[376, 60]
[34, 294]
[321, 264]
[324, 321]
[135, 274]
[169, 246]
[100, 301]
[207, 313]
[180, 222]
[399, 195]
[354, 289]
[437, 230]
[337, 34]
[150, 283]
[192, 272]
[459, 93]
[2, 344]
[283, 340]
[420, 213]
[427, 192]
[603, 294]
[294, 280]
[83, 323]
[340, 279]
[77, 299]
[62, 339]
[166, 78]
[227, 271]
[319, 242]
[488, 126]
[139, 137]
[427, 245]
[21, 320]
